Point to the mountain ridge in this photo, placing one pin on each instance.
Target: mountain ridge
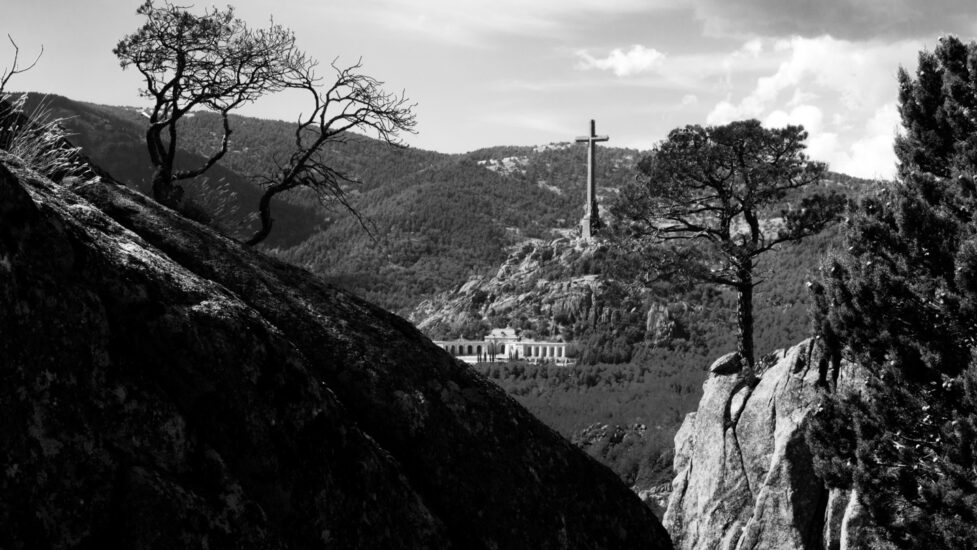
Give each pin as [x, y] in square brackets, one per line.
[427, 204]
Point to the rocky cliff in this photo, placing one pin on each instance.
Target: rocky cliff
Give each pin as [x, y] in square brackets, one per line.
[560, 289]
[744, 475]
[164, 388]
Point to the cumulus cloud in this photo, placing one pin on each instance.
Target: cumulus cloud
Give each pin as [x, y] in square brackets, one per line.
[871, 155]
[857, 75]
[754, 47]
[809, 116]
[842, 92]
[848, 19]
[638, 59]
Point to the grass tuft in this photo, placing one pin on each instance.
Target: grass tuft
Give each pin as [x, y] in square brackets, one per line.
[40, 140]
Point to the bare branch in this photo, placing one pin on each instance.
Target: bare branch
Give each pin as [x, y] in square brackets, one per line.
[13, 69]
[212, 61]
[354, 101]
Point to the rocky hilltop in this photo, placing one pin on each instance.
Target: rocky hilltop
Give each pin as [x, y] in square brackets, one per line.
[744, 475]
[165, 388]
[555, 289]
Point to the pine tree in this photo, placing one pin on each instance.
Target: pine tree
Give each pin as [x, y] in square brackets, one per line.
[703, 199]
[901, 300]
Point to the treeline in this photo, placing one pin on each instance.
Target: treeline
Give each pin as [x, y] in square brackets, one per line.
[656, 394]
[433, 231]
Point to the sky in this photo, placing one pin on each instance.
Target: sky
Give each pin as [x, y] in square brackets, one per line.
[529, 72]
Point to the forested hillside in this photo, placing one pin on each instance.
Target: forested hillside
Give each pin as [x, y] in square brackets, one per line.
[434, 219]
[456, 217]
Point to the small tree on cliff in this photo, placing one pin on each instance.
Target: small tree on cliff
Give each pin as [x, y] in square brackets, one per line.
[703, 194]
[352, 101]
[212, 61]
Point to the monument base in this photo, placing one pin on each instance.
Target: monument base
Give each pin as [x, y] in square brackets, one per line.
[589, 226]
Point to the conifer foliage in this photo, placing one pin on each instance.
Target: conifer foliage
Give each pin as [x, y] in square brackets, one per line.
[706, 194]
[902, 301]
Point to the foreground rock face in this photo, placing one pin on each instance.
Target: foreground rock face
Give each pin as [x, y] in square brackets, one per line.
[744, 474]
[164, 388]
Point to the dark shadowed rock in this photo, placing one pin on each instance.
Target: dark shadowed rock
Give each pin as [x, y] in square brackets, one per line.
[164, 388]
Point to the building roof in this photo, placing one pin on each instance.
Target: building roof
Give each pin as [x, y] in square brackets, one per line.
[502, 333]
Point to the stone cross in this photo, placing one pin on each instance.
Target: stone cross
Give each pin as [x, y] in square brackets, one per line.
[591, 220]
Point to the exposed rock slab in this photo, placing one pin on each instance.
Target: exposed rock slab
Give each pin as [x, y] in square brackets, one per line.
[744, 473]
[164, 388]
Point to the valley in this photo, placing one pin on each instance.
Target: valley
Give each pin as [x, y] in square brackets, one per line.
[463, 244]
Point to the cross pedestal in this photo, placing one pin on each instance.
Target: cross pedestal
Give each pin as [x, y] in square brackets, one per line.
[591, 220]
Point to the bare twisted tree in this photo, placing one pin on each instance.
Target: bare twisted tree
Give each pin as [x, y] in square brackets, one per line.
[214, 61]
[354, 101]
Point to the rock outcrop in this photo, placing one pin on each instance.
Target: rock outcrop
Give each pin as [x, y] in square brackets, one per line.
[744, 473]
[550, 290]
[163, 387]
[525, 286]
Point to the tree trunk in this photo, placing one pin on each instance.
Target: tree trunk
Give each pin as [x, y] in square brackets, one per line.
[745, 316]
[264, 213]
[165, 191]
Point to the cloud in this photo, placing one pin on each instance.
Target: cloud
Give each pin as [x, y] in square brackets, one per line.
[857, 75]
[872, 156]
[754, 47]
[638, 59]
[542, 124]
[844, 93]
[481, 22]
[857, 20]
[808, 116]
